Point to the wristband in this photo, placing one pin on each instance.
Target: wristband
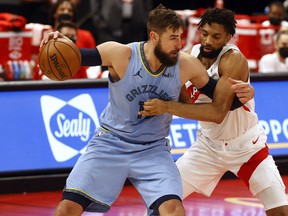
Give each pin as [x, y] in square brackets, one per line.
[90, 57]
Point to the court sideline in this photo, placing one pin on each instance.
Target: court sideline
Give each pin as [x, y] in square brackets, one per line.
[230, 198]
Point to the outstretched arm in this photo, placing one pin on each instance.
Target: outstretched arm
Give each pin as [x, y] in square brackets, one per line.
[105, 54]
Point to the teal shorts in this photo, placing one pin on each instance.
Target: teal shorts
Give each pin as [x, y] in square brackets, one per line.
[101, 172]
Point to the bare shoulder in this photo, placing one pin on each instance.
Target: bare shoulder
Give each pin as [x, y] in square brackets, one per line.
[187, 61]
[192, 69]
[114, 54]
[234, 64]
[188, 50]
[185, 56]
[114, 48]
[235, 56]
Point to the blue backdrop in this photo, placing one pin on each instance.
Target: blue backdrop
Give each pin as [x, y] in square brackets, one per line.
[48, 129]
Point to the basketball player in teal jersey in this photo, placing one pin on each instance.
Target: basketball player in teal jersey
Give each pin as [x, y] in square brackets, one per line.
[128, 145]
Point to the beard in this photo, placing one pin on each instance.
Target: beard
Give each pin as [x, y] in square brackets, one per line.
[210, 55]
[163, 57]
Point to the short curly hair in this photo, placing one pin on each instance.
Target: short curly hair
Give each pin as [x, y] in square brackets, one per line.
[220, 16]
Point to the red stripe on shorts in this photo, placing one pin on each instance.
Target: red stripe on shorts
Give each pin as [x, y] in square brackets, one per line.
[246, 108]
[248, 168]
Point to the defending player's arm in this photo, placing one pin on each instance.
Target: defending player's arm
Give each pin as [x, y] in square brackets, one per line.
[222, 98]
[243, 90]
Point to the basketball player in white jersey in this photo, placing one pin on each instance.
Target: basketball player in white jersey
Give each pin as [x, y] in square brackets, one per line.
[232, 140]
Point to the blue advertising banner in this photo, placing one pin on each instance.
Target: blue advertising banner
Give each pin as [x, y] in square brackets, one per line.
[271, 106]
[49, 129]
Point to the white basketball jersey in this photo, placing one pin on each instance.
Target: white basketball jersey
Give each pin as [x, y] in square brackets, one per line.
[237, 121]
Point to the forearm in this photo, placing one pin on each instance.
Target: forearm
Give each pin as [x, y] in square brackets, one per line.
[209, 89]
[201, 112]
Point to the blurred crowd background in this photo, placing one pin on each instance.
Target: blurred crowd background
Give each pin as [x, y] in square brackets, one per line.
[36, 10]
[23, 23]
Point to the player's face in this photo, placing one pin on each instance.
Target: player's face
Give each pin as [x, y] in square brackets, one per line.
[168, 47]
[213, 38]
[282, 46]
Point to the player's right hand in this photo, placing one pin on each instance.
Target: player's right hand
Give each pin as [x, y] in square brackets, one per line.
[154, 107]
[243, 90]
[51, 35]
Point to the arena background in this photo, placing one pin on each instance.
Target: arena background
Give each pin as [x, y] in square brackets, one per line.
[29, 162]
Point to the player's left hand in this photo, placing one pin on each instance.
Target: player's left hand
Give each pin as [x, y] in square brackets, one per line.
[51, 35]
[243, 90]
[154, 107]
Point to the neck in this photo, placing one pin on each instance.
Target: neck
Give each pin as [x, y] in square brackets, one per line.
[151, 59]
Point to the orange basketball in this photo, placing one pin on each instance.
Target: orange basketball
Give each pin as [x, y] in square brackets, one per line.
[59, 59]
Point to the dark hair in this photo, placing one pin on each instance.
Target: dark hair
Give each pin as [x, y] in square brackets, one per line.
[220, 16]
[66, 23]
[160, 18]
[54, 8]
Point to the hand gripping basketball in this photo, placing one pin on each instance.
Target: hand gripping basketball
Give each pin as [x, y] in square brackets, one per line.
[59, 59]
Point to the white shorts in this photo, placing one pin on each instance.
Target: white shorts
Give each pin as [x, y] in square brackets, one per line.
[206, 161]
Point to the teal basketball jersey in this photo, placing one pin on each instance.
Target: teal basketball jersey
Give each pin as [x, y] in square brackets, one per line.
[127, 96]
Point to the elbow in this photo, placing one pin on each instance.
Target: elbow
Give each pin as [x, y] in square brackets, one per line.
[220, 116]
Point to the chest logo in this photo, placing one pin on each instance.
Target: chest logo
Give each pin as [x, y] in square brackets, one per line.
[138, 73]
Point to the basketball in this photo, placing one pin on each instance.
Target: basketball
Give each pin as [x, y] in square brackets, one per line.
[59, 59]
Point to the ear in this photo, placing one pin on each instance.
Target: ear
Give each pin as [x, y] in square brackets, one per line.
[154, 36]
[228, 38]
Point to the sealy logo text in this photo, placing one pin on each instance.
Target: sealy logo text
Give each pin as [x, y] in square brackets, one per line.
[79, 127]
[69, 124]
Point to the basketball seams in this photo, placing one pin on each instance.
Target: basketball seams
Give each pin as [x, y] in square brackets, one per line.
[77, 53]
[58, 50]
[49, 62]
